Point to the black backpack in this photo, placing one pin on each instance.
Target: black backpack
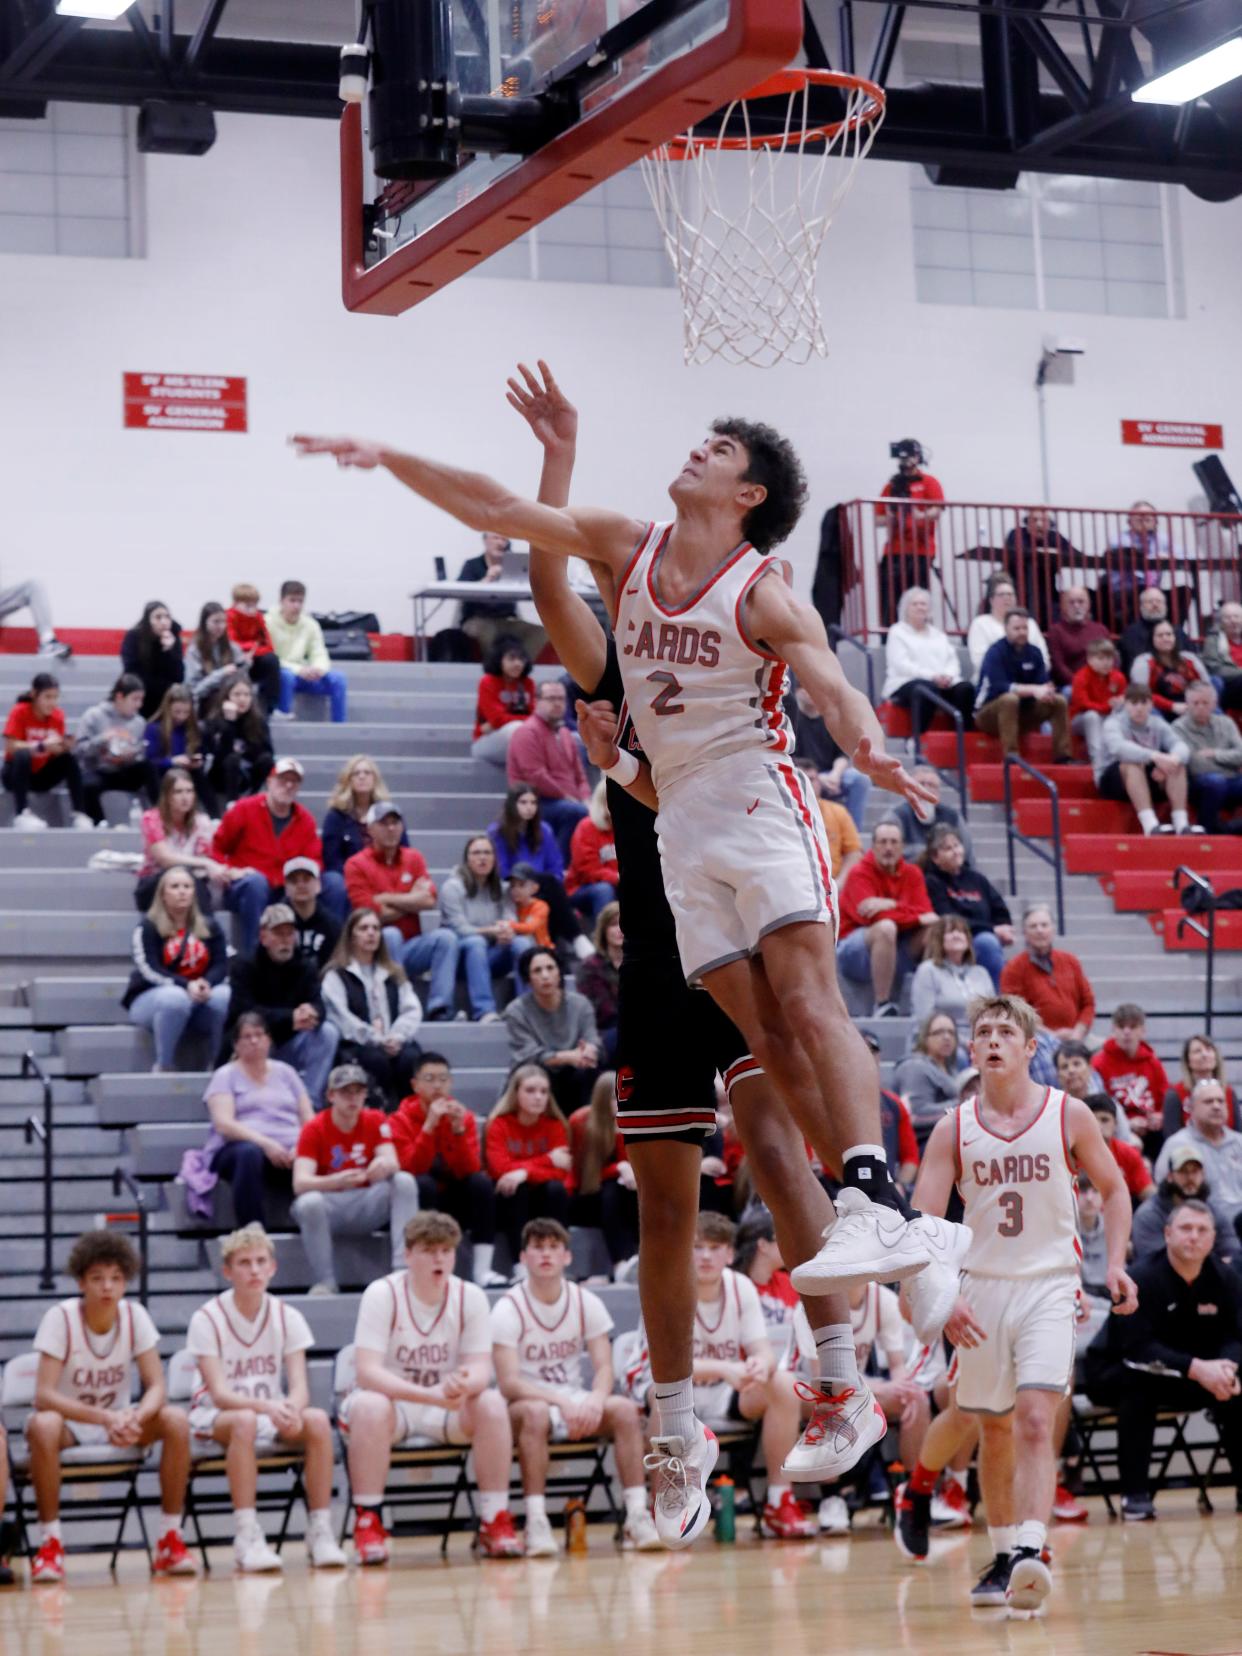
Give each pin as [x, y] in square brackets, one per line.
[345, 633]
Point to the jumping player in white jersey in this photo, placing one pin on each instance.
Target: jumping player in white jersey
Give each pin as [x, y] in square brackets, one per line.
[423, 1355]
[742, 844]
[1013, 1152]
[253, 1394]
[541, 1333]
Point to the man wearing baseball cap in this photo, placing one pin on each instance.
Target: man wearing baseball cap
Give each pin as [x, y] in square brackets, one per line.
[346, 1180]
[1184, 1180]
[317, 928]
[392, 879]
[283, 984]
[259, 834]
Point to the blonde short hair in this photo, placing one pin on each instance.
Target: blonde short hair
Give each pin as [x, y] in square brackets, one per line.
[249, 1236]
[1005, 1006]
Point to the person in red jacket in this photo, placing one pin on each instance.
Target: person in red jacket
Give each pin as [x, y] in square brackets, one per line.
[526, 1148]
[1134, 1166]
[592, 878]
[1131, 1073]
[257, 837]
[436, 1138]
[885, 913]
[506, 696]
[1098, 689]
[248, 630]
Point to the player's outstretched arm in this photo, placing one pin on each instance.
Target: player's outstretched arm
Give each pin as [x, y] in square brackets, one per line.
[481, 503]
[1093, 1156]
[794, 631]
[576, 635]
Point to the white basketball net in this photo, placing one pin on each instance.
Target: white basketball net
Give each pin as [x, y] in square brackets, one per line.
[743, 229]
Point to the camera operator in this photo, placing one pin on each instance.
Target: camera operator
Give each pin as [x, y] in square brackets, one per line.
[911, 549]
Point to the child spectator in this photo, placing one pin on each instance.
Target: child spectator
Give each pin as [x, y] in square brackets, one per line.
[592, 878]
[305, 666]
[1201, 1061]
[506, 696]
[237, 743]
[211, 657]
[1097, 689]
[1129, 1158]
[520, 834]
[237, 1337]
[173, 738]
[371, 1001]
[111, 748]
[180, 966]
[359, 785]
[88, 1350]
[531, 911]
[38, 755]
[526, 1149]
[248, 630]
[152, 652]
[437, 1139]
[176, 833]
[605, 1192]
[1131, 1073]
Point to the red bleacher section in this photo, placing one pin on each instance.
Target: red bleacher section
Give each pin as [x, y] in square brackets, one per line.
[106, 641]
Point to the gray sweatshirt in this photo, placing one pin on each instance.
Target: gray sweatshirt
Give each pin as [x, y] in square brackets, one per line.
[534, 1032]
[1124, 741]
[1219, 733]
[927, 1089]
[947, 989]
[202, 682]
[102, 737]
[467, 915]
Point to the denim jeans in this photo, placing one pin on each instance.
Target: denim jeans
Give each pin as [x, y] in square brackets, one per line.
[247, 898]
[331, 684]
[481, 959]
[312, 1052]
[435, 953]
[990, 955]
[1212, 793]
[168, 1012]
[562, 817]
[855, 789]
[590, 899]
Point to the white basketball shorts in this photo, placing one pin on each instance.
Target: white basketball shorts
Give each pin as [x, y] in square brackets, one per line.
[744, 852]
[1029, 1322]
[203, 1419]
[416, 1420]
[558, 1432]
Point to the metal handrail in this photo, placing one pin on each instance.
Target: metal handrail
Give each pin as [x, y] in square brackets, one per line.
[121, 1177]
[42, 1130]
[1014, 836]
[838, 635]
[924, 692]
[1206, 931]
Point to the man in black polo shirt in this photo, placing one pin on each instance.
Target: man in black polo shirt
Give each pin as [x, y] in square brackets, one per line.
[487, 619]
[1181, 1350]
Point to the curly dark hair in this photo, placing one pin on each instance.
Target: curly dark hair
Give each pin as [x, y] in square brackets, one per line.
[103, 1247]
[773, 463]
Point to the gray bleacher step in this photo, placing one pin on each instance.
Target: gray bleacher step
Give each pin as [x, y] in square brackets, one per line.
[25, 1253]
[48, 935]
[13, 1116]
[409, 775]
[379, 741]
[20, 1094]
[71, 1142]
[85, 1196]
[61, 848]
[11, 1066]
[72, 890]
[14, 1042]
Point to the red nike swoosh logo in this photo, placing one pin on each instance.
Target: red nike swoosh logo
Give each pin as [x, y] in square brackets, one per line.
[630, 591]
[752, 808]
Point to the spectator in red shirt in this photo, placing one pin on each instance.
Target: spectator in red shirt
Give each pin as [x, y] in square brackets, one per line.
[1133, 1075]
[346, 1179]
[248, 630]
[605, 1194]
[1098, 689]
[885, 913]
[1051, 980]
[392, 879]
[526, 1148]
[437, 1140]
[1201, 1061]
[260, 834]
[1133, 1164]
[911, 550]
[506, 697]
[592, 878]
[543, 754]
[38, 755]
[1071, 637]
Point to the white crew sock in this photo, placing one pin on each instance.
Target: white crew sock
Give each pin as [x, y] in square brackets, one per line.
[635, 1500]
[672, 1404]
[245, 1518]
[1031, 1533]
[375, 1502]
[1001, 1537]
[1181, 820]
[1147, 821]
[959, 1478]
[536, 1507]
[492, 1502]
[777, 1493]
[838, 1360]
[320, 1520]
[50, 1531]
[483, 1254]
[171, 1522]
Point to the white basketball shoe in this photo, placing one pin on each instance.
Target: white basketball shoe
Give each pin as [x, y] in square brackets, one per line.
[680, 1471]
[869, 1242]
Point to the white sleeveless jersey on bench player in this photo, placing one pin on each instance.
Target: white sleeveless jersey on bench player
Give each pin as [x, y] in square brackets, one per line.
[99, 1368]
[1018, 1193]
[252, 1353]
[550, 1340]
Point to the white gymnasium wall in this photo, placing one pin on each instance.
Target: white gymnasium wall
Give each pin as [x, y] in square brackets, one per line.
[241, 278]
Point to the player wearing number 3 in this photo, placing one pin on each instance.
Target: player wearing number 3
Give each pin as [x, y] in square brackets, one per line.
[1013, 1153]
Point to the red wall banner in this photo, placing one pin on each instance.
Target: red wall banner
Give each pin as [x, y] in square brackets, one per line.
[185, 402]
[1172, 434]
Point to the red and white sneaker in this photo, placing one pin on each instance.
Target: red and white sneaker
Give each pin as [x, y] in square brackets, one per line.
[172, 1557]
[499, 1539]
[49, 1562]
[949, 1507]
[842, 1427]
[790, 1519]
[680, 1473]
[370, 1537]
[1067, 1508]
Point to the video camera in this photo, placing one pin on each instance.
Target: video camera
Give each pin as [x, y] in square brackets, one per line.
[907, 448]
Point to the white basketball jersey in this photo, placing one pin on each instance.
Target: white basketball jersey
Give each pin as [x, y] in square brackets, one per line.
[99, 1368]
[697, 687]
[424, 1344]
[550, 1340]
[253, 1354]
[732, 1328]
[1018, 1194]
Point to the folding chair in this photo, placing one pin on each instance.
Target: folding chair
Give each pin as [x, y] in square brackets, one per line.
[417, 1454]
[82, 1465]
[207, 1460]
[1094, 1419]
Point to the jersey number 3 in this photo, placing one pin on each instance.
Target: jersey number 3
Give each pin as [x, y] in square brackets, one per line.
[664, 702]
[1011, 1201]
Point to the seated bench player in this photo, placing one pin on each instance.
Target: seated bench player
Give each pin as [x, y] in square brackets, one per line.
[423, 1350]
[88, 1349]
[541, 1331]
[253, 1396]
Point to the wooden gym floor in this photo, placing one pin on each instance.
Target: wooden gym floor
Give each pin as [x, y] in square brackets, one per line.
[1170, 1587]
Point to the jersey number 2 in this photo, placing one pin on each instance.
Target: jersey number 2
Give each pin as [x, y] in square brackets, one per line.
[663, 703]
[1011, 1201]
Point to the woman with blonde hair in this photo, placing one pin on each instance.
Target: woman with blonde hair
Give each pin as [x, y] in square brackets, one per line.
[605, 1193]
[919, 655]
[180, 966]
[1201, 1061]
[359, 784]
[177, 833]
[370, 1001]
[174, 741]
[592, 878]
[526, 1150]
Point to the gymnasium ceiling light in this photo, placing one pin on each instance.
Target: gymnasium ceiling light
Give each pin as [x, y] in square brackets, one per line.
[1189, 81]
[101, 9]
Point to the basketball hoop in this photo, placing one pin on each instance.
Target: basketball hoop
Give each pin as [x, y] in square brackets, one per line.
[744, 238]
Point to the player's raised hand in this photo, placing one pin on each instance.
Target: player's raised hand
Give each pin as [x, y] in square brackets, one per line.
[886, 771]
[1122, 1292]
[597, 725]
[347, 451]
[544, 406]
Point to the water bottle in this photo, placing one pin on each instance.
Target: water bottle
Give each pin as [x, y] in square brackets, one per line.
[575, 1526]
[726, 1510]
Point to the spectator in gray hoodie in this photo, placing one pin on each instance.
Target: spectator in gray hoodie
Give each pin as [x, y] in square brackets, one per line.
[475, 905]
[555, 1027]
[1144, 761]
[927, 1079]
[1185, 1180]
[1215, 755]
[111, 749]
[948, 977]
[211, 658]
